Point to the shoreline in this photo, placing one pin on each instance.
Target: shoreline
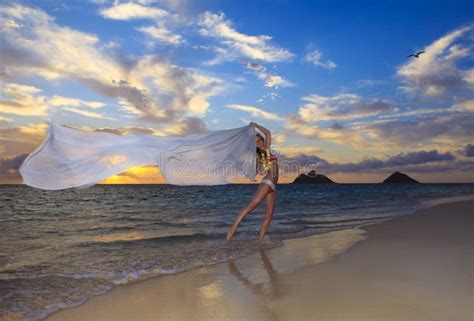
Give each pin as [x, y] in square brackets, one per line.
[413, 267]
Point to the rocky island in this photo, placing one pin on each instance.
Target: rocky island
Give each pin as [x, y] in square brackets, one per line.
[398, 177]
[312, 178]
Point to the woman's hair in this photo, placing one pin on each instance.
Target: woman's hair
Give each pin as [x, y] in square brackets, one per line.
[262, 153]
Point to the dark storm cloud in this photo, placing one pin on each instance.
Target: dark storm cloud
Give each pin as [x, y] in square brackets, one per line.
[457, 165]
[400, 161]
[468, 151]
[420, 157]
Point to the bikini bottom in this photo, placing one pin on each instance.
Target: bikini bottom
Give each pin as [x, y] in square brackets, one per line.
[269, 183]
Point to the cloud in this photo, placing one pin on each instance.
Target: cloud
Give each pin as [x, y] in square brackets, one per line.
[420, 157]
[342, 106]
[390, 132]
[5, 119]
[268, 96]
[278, 138]
[184, 91]
[67, 101]
[450, 129]
[343, 135]
[21, 139]
[419, 161]
[315, 56]
[466, 106]
[297, 150]
[436, 71]
[270, 80]
[131, 10]
[159, 33]
[274, 80]
[468, 151]
[256, 112]
[162, 34]
[296, 124]
[24, 100]
[9, 167]
[88, 113]
[187, 126]
[236, 45]
[157, 89]
[31, 133]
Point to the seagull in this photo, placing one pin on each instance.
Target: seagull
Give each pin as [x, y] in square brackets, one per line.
[417, 55]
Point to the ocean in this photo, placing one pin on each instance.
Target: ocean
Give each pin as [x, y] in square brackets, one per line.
[60, 248]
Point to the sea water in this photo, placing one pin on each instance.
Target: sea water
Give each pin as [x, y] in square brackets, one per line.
[60, 248]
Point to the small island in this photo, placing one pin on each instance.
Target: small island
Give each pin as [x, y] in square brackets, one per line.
[398, 177]
[312, 178]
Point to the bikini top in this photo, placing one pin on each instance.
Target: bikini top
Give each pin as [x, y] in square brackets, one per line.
[267, 162]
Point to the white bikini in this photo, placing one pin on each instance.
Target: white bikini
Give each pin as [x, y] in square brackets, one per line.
[269, 183]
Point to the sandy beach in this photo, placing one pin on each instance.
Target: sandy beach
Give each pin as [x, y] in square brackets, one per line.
[416, 267]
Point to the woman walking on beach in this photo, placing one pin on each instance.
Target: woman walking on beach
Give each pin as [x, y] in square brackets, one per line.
[267, 165]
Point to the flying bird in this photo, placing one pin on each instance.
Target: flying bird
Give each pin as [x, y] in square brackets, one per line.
[417, 55]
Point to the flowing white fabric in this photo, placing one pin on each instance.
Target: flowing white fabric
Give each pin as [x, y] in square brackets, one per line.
[73, 158]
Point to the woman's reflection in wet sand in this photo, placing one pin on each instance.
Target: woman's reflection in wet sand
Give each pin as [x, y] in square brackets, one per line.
[258, 288]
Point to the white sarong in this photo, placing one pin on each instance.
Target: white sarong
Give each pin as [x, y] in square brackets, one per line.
[71, 157]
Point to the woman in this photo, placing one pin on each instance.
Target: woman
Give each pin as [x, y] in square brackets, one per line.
[266, 165]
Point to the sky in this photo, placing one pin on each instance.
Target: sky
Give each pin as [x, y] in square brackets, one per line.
[330, 79]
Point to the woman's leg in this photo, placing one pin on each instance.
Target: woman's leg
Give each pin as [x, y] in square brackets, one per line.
[269, 209]
[262, 190]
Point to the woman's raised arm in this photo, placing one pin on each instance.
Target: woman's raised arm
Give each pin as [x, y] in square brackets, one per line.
[268, 135]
